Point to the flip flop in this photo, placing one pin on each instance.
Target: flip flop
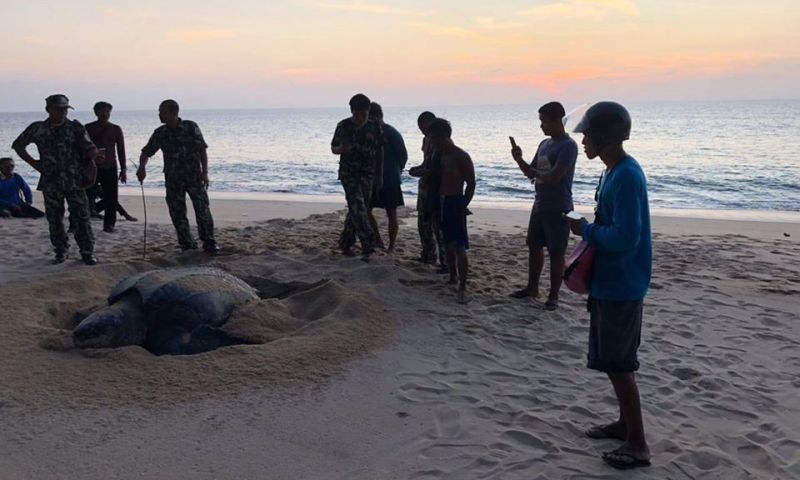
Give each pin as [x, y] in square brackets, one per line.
[600, 432]
[522, 293]
[550, 305]
[624, 460]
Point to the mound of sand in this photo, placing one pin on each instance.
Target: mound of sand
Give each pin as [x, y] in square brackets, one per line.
[305, 336]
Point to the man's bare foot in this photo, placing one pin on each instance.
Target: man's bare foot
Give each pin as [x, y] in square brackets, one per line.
[616, 430]
[527, 292]
[390, 250]
[348, 252]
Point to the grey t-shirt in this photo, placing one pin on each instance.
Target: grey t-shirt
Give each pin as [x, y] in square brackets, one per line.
[555, 197]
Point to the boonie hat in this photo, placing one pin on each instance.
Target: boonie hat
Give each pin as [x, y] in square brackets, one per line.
[58, 100]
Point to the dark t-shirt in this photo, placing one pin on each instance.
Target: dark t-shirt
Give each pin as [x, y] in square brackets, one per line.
[366, 142]
[555, 197]
[181, 147]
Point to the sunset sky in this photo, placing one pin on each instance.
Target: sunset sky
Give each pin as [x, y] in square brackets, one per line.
[308, 53]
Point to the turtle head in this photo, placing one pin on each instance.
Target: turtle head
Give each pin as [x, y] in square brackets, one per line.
[117, 325]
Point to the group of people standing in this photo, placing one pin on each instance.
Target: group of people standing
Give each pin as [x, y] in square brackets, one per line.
[372, 155]
[620, 233]
[67, 149]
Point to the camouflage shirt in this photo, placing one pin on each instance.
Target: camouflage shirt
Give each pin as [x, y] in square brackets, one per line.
[181, 147]
[63, 149]
[366, 142]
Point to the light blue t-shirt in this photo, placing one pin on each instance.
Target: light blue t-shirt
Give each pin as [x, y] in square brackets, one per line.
[555, 197]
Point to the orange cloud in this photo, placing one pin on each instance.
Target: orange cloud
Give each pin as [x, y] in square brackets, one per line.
[203, 35]
[372, 8]
[583, 9]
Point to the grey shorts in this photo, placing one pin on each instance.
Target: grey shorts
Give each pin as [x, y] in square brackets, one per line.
[615, 331]
[548, 229]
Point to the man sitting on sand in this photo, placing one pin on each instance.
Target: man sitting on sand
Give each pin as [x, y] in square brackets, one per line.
[16, 199]
[621, 275]
[456, 172]
[390, 196]
[551, 170]
[359, 143]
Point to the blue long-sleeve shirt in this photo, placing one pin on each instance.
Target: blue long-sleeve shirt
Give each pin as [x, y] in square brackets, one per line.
[9, 191]
[623, 256]
[395, 156]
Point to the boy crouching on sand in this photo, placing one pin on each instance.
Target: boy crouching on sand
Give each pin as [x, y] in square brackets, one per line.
[457, 170]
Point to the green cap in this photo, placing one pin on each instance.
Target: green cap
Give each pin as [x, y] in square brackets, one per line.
[58, 100]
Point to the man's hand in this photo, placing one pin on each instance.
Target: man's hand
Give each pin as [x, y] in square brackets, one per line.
[576, 226]
[123, 176]
[16, 209]
[141, 174]
[345, 148]
[516, 153]
[205, 180]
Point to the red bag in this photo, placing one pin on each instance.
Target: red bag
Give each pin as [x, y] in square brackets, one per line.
[578, 271]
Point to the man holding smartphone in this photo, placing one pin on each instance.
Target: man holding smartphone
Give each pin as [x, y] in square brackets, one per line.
[551, 171]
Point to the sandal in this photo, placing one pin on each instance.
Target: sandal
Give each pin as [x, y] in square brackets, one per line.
[624, 460]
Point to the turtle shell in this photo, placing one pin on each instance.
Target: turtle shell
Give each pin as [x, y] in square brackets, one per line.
[187, 297]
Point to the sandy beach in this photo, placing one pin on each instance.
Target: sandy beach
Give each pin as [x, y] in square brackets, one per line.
[375, 372]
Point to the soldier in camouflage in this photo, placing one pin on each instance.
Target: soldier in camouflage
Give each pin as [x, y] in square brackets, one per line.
[359, 143]
[64, 148]
[185, 171]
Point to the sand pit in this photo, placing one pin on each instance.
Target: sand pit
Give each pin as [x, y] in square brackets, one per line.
[306, 335]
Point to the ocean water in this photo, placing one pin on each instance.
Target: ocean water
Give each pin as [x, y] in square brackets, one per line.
[715, 155]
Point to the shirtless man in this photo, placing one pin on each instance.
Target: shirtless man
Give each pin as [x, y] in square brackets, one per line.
[457, 186]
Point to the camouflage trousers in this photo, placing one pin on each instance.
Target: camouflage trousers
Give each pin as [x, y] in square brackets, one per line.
[357, 193]
[176, 203]
[430, 232]
[78, 215]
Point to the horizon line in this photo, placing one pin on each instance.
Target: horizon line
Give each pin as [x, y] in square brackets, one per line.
[428, 107]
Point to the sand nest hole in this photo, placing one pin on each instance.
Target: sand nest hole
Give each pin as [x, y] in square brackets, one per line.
[298, 331]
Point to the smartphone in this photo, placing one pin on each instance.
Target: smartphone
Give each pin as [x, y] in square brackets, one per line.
[574, 215]
[513, 143]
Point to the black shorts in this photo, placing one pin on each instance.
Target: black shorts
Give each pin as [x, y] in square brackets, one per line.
[454, 222]
[548, 229]
[615, 331]
[389, 198]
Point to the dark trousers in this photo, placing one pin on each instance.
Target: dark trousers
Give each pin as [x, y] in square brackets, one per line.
[357, 192]
[177, 189]
[107, 178]
[25, 211]
[78, 214]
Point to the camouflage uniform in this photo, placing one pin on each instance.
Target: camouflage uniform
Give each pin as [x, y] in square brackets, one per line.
[62, 150]
[182, 147]
[356, 171]
[428, 224]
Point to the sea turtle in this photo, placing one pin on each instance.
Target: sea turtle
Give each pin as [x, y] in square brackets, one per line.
[167, 311]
